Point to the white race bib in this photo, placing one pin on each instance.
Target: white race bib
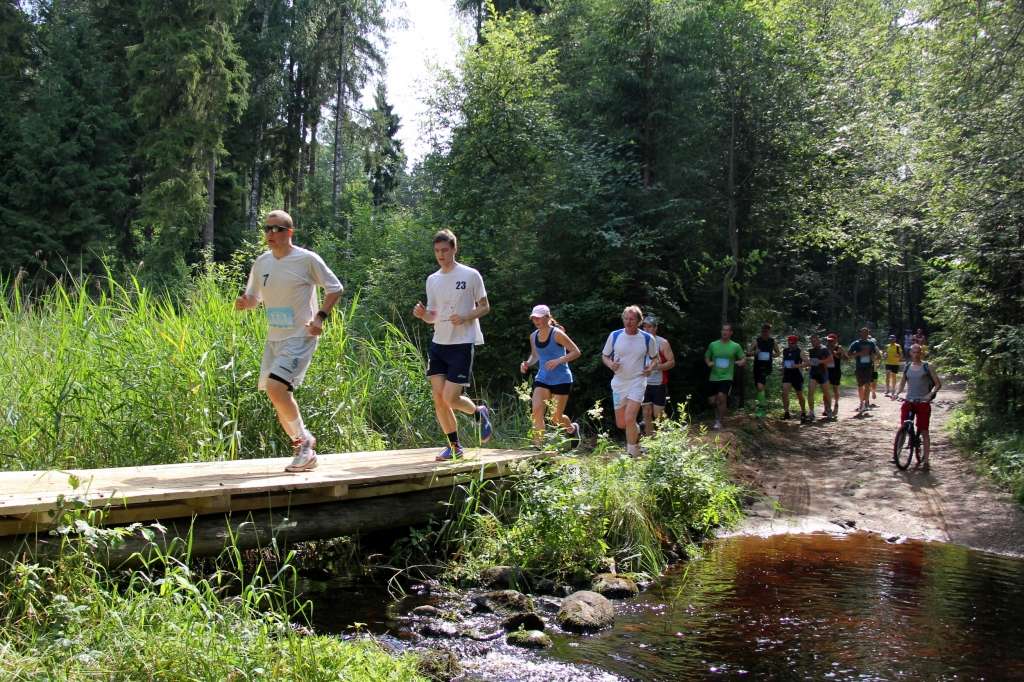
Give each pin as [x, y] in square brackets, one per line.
[788, 364]
[722, 363]
[281, 318]
[764, 356]
[865, 359]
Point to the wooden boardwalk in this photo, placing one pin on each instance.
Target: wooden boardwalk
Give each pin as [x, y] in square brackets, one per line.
[30, 500]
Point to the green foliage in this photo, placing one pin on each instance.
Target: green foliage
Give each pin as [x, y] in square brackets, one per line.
[190, 84]
[72, 620]
[573, 514]
[105, 375]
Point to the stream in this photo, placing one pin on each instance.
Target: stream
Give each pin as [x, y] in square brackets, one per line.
[817, 606]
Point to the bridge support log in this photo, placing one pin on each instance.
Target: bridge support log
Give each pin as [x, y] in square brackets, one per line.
[207, 535]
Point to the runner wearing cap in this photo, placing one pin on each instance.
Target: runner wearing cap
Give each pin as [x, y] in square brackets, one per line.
[551, 350]
[285, 279]
[835, 371]
[763, 349]
[793, 376]
[864, 353]
[632, 354]
[723, 356]
[820, 359]
[893, 359]
[656, 395]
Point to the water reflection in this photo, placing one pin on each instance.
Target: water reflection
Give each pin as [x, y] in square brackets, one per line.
[820, 606]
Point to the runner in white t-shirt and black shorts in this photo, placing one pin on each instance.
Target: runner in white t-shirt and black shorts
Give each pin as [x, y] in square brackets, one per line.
[284, 279]
[656, 395]
[456, 300]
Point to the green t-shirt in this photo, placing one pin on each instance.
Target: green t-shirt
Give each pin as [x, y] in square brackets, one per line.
[724, 355]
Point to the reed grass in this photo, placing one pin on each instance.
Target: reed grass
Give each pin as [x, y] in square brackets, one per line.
[100, 374]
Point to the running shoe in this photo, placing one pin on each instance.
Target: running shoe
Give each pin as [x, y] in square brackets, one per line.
[576, 436]
[305, 456]
[804, 419]
[787, 415]
[486, 431]
[448, 454]
[760, 413]
[717, 426]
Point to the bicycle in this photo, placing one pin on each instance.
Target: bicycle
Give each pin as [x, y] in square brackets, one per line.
[907, 445]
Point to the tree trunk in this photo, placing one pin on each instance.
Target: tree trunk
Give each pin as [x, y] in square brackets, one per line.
[211, 180]
[254, 190]
[734, 242]
[339, 117]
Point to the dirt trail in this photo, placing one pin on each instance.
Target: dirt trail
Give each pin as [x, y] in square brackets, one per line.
[839, 475]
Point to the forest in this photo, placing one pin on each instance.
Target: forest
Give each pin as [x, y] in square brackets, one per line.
[815, 164]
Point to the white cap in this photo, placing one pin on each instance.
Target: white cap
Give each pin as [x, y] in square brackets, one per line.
[540, 310]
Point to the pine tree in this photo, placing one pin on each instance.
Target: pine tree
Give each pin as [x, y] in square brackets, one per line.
[383, 158]
[190, 83]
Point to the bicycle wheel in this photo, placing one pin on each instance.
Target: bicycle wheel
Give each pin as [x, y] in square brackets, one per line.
[902, 452]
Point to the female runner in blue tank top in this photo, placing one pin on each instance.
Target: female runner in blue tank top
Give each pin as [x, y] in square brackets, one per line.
[552, 350]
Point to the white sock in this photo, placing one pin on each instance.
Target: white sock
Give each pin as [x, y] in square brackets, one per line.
[298, 429]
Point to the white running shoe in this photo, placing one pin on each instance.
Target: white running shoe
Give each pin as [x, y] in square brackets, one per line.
[305, 455]
[717, 426]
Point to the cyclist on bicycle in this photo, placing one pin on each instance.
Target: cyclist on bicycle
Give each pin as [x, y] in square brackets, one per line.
[922, 383]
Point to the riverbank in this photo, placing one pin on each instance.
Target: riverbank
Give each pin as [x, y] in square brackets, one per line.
[838, 476]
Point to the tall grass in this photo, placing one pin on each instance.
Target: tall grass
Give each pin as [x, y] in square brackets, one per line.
[568, 516]
[72, 620]
[103, 374]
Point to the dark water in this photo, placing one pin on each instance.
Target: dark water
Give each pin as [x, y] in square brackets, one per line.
[794, 607]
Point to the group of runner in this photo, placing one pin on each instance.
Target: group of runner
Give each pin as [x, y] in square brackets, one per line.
[285, 279]
[824, 362]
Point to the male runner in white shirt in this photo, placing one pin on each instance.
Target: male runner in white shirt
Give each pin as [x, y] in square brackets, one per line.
[456, 300]
[285, 279]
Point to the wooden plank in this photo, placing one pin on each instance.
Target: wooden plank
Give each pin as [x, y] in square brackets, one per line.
[183, 490]
[137, 490]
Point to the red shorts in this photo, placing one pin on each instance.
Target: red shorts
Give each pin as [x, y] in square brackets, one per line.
[923, 411]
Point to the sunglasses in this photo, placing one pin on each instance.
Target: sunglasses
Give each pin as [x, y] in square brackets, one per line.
[275, 228]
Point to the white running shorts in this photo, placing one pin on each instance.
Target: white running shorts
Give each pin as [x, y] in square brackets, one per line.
[629, 390]
[288, 358]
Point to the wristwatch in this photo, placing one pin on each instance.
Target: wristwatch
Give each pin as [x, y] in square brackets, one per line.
[322, 315]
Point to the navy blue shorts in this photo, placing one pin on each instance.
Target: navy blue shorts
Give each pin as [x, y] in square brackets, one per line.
[454, 361]
[793, 377]
[721, 387]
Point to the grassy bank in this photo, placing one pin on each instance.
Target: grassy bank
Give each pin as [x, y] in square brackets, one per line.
[100, 374]
[72, 620]
[570, 516]
[1000, 450]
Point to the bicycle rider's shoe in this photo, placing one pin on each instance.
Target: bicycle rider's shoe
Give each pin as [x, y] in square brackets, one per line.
[486, 430]
[449, 454]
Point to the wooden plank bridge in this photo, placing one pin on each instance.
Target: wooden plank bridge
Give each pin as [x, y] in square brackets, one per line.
[31, 501]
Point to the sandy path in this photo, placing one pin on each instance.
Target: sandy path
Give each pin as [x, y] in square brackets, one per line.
[840, 475]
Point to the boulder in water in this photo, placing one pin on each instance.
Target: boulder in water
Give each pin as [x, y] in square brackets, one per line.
[585, 611]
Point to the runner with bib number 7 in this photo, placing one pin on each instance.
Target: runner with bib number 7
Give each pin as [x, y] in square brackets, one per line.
[922, 383]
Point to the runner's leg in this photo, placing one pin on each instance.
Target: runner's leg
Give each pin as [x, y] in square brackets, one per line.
[630, 410]
[648, 412]
[540, 398]
[558, 417]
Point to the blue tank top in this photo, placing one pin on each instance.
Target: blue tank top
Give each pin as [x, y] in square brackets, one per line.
[550, 350]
